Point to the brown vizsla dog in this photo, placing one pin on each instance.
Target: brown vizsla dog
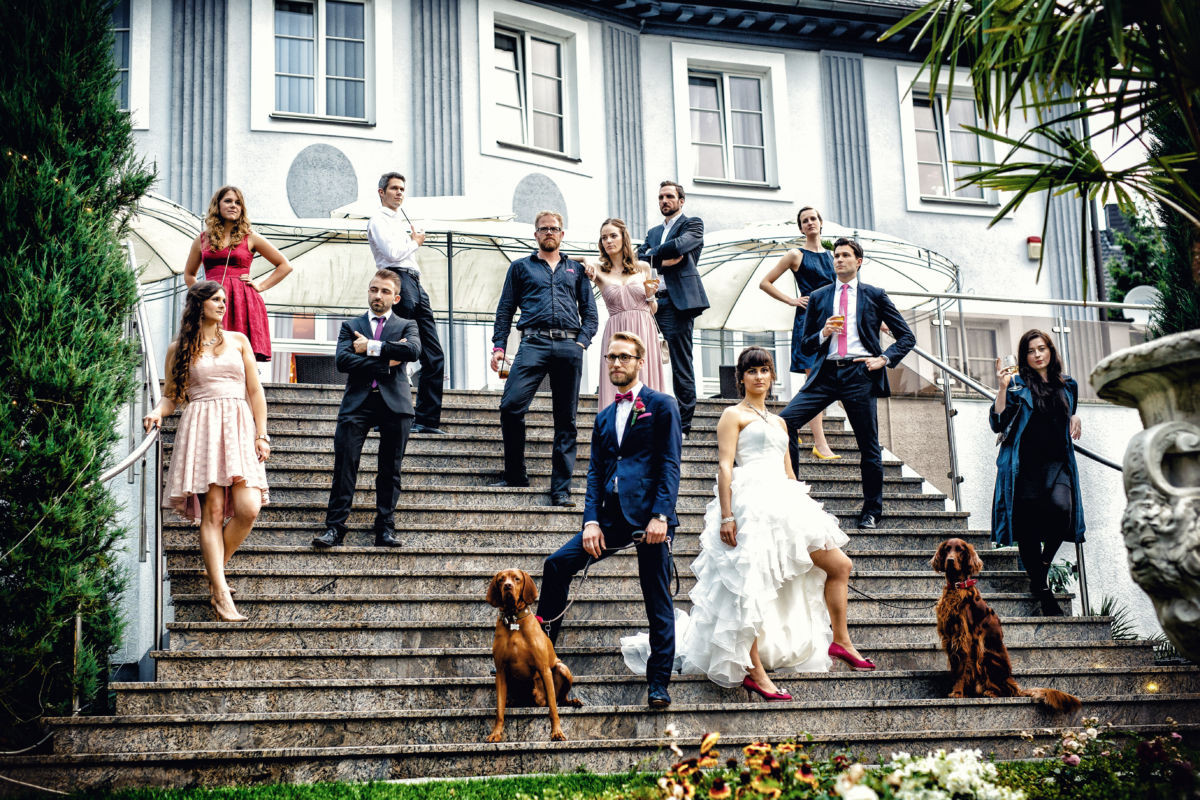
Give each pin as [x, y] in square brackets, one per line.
[525, 659]
[972, 636]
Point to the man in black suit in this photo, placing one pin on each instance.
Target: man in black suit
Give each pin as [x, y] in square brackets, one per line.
[852, 364]
[673, 248]
[372, 350]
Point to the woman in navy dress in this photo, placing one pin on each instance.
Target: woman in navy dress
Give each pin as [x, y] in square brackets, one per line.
[812, 266]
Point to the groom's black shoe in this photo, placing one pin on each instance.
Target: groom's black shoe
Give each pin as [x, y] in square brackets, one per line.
[658, 697]
[330, 538]
[867, 521]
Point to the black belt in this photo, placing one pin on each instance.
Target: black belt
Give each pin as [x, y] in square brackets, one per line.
[845, 362]
[409, 270]
[551, 333]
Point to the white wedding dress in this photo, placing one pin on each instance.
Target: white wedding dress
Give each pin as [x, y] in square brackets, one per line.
[766, 587]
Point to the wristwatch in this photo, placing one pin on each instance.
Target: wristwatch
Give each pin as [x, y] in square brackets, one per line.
[661, 517]
[265, 437]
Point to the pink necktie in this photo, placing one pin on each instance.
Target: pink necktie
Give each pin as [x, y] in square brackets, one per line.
[843, 307]
[379, 323]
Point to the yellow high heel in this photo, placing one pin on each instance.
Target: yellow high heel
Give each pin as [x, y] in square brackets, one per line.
[817, 453]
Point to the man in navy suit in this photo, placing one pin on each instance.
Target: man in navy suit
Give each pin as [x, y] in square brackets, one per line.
[372, 350]
[851, 365]
[632, 485]
[673, 248]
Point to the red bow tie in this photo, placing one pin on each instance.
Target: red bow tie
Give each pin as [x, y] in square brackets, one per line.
[625, 396]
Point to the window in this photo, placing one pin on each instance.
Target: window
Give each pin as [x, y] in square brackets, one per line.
[529, 81]
[981, 352]
[121, 51]
[941, 140]
[321, 58]
[727, 127]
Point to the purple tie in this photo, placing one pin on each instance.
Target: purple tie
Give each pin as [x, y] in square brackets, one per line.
[843, 307]
[622, 396]
[379, 323]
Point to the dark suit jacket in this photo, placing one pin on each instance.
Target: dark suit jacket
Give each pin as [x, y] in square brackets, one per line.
[873, 307]
[682, 280]
[362, 369]
[645, 466]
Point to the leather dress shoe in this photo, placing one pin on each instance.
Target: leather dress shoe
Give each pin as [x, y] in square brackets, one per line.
[330, 538]
[386, 538]
[868, 521]
[658, 697]
[426, 429]
[563, 500]
[505, 483]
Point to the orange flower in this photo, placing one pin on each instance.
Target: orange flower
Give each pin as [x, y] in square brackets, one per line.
[756, 749]
[805, 774]
[719, 790]
[786, 747]
[709, 741]
[767, 791]
[685, 768]
[707, 762]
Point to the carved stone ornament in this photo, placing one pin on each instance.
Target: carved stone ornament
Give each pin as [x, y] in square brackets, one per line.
[1162, 476]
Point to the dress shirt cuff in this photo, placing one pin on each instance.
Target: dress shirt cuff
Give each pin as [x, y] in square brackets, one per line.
[824, 338]
[591, 522]
[374, 347]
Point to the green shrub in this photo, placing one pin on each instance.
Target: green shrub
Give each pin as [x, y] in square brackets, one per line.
[67, 177]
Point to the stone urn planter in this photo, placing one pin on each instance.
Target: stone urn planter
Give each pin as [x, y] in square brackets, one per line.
[1162, 476]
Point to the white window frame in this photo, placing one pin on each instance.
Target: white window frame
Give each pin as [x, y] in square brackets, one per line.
[961, 92]
[381, 118]
[525, 75]
[770, 69]
[582, 148]
[139, 64]
[726, 112]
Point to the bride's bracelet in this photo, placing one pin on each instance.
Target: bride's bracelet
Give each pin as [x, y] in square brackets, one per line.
[726, 519]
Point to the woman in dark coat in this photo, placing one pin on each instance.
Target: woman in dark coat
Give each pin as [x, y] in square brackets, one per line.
[1037, 500]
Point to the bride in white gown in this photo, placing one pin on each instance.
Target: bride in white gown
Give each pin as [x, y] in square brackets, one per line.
[771, 578]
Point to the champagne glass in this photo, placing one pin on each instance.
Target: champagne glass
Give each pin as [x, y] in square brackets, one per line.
[1008, 365]
[651, 283]
[838, 321]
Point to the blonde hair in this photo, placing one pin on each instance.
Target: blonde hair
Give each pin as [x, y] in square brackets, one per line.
[214, 226]
[554, 214]
[628, 257]
[628, 336]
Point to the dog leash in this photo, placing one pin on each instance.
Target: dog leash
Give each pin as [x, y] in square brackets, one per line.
[592, 560]
[852, 588]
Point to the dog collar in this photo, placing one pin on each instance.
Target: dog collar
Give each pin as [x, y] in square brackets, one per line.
[967, 584]
[514, 620]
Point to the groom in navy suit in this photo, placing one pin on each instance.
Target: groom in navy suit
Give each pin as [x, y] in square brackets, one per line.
[632, 485]
[852, 364]
[673, 248]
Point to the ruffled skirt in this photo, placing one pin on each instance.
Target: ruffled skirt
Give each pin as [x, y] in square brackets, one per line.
[213, 445]
[766, 588]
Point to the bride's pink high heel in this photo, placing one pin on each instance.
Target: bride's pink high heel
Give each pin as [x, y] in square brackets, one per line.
[856, 664]
[775, 697]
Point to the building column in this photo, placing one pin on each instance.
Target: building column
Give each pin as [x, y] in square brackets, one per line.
[196, 141]
[847, 156]
[437, 131]
[623, 129]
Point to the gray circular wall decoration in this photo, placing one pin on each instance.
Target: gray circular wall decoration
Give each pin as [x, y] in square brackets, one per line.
[535, 193]
[319, 180]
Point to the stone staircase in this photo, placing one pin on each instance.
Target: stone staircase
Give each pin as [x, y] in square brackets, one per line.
[361, 663]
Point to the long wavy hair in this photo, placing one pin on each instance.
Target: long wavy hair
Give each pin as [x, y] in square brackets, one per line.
[628, 256]
[1044, 391]
[188, 345]
[753, 356]
[214, 225]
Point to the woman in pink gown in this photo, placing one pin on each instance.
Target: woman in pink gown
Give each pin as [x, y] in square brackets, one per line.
[216, 474]
[624, 283]
[226, 248]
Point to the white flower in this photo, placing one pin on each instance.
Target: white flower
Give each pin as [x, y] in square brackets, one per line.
[860, 792]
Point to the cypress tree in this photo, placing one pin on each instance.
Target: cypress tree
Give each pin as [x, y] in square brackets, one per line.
[1177, 280]
[68, 177]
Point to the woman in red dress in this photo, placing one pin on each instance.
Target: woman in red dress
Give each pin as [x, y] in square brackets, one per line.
[226, 248]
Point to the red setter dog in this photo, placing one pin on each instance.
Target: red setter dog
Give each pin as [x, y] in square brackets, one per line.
[972, 636]
[525, 659]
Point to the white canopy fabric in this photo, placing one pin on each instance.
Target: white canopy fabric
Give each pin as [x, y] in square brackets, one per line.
[333, 263]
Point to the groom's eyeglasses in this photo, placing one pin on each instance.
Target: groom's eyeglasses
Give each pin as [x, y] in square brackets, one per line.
[624, 358]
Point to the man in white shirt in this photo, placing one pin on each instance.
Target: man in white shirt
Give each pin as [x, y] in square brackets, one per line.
[394, 242]
[842, 324]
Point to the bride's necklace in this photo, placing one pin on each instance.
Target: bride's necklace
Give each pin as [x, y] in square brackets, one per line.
[764, 415]
[211, 341]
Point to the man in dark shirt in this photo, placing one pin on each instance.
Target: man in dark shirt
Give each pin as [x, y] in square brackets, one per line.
[558, 321]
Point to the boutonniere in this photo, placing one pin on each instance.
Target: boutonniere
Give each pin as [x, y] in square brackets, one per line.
[639, 411]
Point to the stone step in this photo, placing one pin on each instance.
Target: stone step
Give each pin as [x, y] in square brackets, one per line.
[397, 762]
[588, 606]
[351, 635]
[420, 557]
[771, 720]
[319, 474]
[544, 538]
[368, 694]
[471, 497]
[474, 583]
[519, 518]
[477, 661]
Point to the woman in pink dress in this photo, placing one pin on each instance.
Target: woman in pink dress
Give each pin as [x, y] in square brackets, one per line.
[624, 283]
[226, 248]
[216, 474]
